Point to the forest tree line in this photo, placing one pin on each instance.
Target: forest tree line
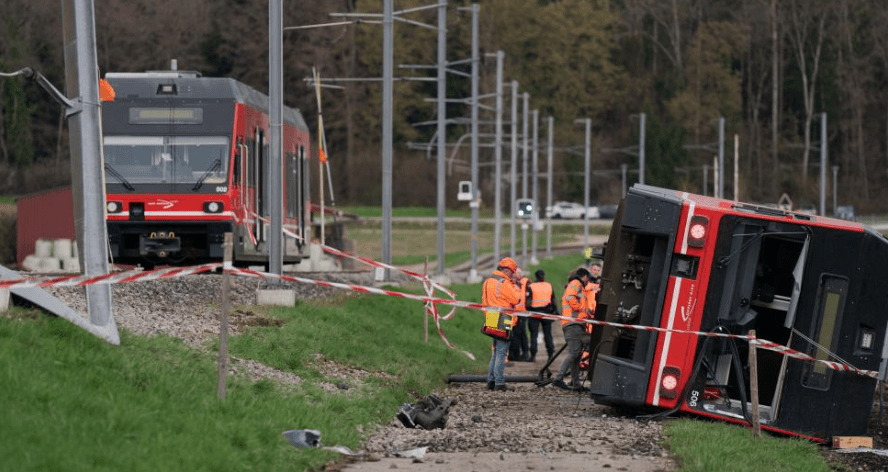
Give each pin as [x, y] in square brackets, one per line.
[769, 67]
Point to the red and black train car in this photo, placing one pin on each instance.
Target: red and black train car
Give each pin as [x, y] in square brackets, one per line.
[186, 160]
[688, 262]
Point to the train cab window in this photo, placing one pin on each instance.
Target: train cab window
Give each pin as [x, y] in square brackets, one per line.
[166, 159]
[826, 328]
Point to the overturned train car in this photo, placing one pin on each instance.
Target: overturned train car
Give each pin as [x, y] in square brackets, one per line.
[688, 262]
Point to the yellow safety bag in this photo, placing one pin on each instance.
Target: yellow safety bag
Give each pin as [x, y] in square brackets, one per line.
[497, 325]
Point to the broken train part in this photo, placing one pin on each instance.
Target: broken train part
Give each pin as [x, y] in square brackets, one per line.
[428, 413]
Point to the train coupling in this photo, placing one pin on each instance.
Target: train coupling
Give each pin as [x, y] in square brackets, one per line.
[159, 244]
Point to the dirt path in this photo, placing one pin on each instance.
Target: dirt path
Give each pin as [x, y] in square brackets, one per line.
[530, 428]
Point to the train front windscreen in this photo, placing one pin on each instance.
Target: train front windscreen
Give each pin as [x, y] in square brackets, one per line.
[192, 160]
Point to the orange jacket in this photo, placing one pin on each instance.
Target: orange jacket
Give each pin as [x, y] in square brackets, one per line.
[542, 297]
[590, 290]
[522, 305]
[573, 303]
[499, 290]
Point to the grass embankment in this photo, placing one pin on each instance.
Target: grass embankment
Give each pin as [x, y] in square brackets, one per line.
[72, 402]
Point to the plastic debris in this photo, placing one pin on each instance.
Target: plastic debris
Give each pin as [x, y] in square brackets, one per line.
[416, 453]
[301, 438]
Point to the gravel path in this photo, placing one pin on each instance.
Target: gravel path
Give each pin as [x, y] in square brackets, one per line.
[530, 428]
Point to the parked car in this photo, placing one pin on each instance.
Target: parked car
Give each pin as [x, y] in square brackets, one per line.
[570, 210]
[846, 212]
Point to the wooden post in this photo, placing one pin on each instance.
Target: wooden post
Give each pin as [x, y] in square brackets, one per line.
[223, 324]
[754, 384]
[425, 318]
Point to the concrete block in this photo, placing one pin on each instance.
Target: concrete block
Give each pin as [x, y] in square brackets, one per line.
[61, 248]
[50, 264]
[43, 248]
[4, 300]
[71, 264]
[32, 263]
[276, 297]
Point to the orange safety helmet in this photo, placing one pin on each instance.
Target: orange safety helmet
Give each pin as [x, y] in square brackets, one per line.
[508, 263]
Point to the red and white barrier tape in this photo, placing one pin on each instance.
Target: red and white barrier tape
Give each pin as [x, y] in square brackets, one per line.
[429, 301]
[138, 275]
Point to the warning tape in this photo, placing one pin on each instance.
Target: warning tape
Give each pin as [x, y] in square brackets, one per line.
[430, 302]
[137, 275]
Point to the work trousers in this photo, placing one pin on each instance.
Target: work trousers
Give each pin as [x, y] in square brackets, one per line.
[573, 336]
[496, 368]
[534, 325]
[519, 348]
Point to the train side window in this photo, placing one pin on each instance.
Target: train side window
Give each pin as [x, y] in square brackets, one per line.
[238, 155]
[826, 330]
[290, 181]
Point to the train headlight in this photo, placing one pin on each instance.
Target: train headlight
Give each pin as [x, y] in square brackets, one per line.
[669, 382]
[698, 230]
[114, 207]
[213, 207]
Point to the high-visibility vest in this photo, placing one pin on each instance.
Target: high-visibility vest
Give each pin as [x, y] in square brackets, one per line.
[590, 290]
[573, 303]
[542, 295]
[498, 290]
[522, 305]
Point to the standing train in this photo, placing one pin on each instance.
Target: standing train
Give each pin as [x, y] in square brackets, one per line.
[186, 161]
[687, 262]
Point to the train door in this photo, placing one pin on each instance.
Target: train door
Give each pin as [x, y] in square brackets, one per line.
[259, 187]
[758, 270]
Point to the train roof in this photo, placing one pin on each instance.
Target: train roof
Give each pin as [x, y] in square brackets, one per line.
[190, 84]
[762, 211]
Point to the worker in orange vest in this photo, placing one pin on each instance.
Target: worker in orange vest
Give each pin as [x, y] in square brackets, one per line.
[518, 349]
[542, 300]
[591, 291]
[501, 290]
[575, 309]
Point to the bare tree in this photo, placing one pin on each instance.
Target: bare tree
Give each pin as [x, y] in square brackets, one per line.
[807, 24]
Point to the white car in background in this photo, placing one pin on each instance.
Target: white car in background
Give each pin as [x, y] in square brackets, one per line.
[569, 210]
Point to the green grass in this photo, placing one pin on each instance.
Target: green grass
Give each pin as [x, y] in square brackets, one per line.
[428, 212]
[704, 446]
[9, 200]
[72, 402]
[417, 241]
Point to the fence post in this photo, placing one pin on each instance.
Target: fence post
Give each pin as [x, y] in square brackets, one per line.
[754, 384]
[223, 322]
[425, 318]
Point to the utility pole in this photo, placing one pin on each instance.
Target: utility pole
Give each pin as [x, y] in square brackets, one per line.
[536, 200]
[498, 156]
[822, 164]
[587, 159]
[476, 201]
[87, 160]
[524, 149]
[275, 138]
[642, 126]
[551, 126]
[514, 171]
[442, 129]
[721, 157]
[387, 106]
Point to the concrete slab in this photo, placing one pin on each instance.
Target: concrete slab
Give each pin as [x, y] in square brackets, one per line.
[272, 297]
[4, 300]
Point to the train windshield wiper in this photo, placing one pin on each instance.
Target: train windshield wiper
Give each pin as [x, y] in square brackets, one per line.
[216, 165]
[119, 177]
